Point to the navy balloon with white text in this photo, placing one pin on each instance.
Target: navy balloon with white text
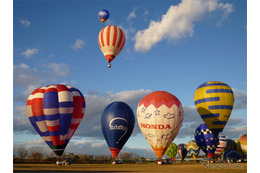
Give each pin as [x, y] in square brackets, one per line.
[117, 123]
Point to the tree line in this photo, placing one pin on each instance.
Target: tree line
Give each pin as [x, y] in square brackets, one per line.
[24, 155]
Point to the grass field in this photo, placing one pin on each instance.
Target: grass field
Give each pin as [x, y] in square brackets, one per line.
[178, 167]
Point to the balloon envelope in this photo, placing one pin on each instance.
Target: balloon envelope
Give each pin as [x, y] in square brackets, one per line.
[111, 40]
[231, 145]
[243, 143]
[55, 112]
[103, 15]
[205, 140]
[193, 149]
[238, 147]
[182, 150]
[171, 151]
[222, 144]
[117, 123]
[232, 155]
[160, 116]
[214, 101]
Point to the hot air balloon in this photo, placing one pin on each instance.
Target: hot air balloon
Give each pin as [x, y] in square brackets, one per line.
[214, 101]
[103, 15]
[117, 123]
[111, 40]
[231, 145]
[171, 151]
[160, 116]
[243, 143]
[222, 144]
[182, 151]
[193, 149]
[205, 140]
[55, 112]
[238, 147]
[232, 156]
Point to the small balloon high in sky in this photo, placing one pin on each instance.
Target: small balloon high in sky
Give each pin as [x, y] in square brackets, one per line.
[103, 15]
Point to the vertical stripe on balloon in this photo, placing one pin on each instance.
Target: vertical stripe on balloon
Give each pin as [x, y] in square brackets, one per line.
[114, 36]
[108, 35]
[120, 38]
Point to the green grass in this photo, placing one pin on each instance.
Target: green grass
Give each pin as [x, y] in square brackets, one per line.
[179, 167]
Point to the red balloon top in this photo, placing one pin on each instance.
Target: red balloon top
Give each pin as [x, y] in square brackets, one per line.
[158, 98]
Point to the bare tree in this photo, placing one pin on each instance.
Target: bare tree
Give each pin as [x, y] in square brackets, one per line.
[126, 156]
[22, 152]
[36, 155]
[51, 157]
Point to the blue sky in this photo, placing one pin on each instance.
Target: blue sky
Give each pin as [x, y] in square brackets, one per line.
[56, 42]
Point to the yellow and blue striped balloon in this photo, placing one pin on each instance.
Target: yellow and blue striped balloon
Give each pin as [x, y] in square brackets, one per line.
[214, 101]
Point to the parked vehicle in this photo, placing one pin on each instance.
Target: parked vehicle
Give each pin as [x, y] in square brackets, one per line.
[164, 161]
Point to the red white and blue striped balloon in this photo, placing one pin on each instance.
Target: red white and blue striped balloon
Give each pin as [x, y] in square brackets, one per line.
[222, 144]
[55, 112]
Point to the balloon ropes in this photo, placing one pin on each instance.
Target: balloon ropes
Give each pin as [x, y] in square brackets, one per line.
[160, 116]
[111, 40]
[55, 112]
[117, 124]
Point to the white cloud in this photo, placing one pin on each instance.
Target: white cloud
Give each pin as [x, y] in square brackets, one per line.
[21, 122]
[28, 79]
[178, 22]
[78, 44]
[234, 132]
[128, 29]
[25, 22]
[109, 21]
[227, 8]
[132, 14]
[30, 52]
[24, 75]
[240, 99]
[36, 142]
[57, 69]
[146, 12]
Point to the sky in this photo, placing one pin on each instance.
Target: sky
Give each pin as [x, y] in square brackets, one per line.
[171, 46]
